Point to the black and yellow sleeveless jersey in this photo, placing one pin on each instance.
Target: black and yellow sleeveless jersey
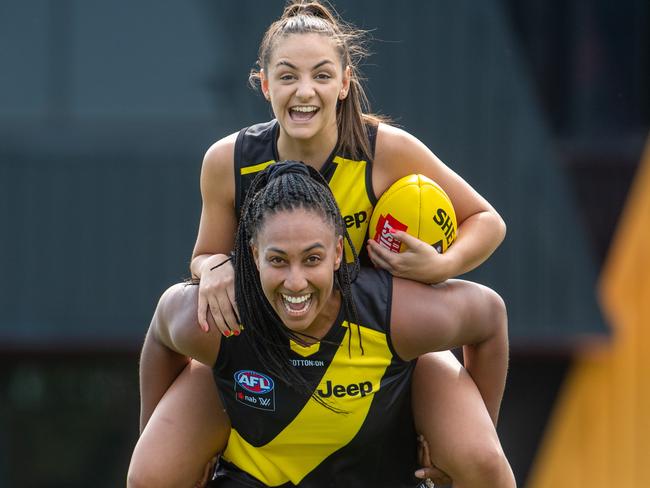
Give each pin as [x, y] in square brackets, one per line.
[281, 438]
[349, 179]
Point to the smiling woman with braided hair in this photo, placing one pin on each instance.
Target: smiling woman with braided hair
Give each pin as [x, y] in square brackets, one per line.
[343, 420]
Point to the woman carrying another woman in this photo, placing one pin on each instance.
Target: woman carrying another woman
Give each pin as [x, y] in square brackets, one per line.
[308, 71]
[344, 419]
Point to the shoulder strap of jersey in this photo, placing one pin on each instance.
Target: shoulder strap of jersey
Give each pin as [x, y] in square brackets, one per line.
[254, 147]
[372, 130]
[372, 291]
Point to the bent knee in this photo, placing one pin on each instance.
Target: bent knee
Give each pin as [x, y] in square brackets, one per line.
[436, 369]
[142, 478]
[177, 296]
[488, 461]
[148, 472]
[483, 464]
[179, 299]
[496, 303]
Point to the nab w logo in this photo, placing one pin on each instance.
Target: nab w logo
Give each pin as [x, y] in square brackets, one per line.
[254, 382]
[265, 402]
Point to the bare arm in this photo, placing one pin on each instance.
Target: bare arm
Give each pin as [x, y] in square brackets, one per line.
[434, 318]
[215, 239]
[480, 227]
[173, 338]
[218, 221]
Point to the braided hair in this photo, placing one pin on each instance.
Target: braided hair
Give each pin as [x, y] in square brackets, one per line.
[287, 185]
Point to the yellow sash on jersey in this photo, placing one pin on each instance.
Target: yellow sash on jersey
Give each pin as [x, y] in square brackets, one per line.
[317, 432]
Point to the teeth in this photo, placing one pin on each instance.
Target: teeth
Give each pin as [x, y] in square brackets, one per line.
[300, 299]
[301, 108]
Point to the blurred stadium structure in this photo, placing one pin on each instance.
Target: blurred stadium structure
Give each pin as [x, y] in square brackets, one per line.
[598, 436]
[106, 109]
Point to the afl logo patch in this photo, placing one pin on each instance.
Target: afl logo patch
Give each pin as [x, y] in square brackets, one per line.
[253, 381]
[254, 389]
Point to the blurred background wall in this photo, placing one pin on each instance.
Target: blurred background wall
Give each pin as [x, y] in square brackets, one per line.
[106, 109]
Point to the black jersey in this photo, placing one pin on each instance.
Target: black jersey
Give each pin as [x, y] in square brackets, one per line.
[350, 179]
[280, 437]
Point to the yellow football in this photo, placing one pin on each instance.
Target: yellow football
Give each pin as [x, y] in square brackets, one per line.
[417, 205]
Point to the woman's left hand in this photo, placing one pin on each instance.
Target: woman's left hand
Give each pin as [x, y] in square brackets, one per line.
[419, 262]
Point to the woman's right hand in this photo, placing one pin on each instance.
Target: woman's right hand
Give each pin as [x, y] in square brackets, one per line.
[432, 475]
[207, 473]
[217, 296]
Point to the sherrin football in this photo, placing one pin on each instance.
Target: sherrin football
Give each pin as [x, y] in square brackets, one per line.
[417, 205]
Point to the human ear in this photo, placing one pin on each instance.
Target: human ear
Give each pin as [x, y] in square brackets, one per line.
[264, 85]
[256, 256]
[339, 253]
[345, 87]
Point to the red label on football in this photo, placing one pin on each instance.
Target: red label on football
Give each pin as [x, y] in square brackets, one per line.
[383, 235]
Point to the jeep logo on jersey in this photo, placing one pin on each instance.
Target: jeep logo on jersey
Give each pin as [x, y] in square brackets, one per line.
[355, 220]
[254, 382]
[254, 390]
[353, 389]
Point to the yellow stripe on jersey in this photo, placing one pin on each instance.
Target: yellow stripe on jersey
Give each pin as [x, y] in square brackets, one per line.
[349, 187]
[304, 351]
[349, 384]
[254, 169]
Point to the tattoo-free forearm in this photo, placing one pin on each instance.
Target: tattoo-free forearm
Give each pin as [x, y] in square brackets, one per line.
[478, 237]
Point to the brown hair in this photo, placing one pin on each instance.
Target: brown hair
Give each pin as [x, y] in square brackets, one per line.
[353, 112]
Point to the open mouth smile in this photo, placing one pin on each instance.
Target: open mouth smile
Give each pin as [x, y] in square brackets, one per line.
[296, 305]
[301, 113]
